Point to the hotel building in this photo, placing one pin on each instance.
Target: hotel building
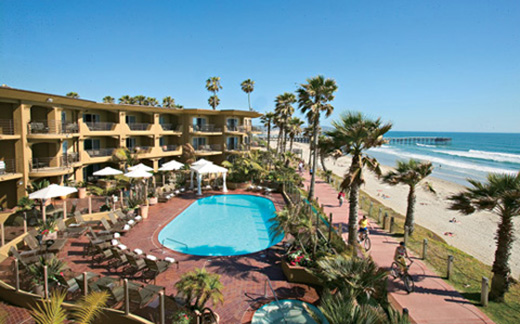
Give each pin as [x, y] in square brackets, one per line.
[60, 138]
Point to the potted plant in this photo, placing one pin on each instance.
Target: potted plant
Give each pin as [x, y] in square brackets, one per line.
[82, 189]
[137, 202]
[47, 230]
[152, 198]
[182, 317]
[55, 267]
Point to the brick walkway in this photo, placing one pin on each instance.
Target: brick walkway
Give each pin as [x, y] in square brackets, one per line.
[434, 301]
[15, 315]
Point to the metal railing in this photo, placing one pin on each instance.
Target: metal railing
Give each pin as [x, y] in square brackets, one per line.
[143, 149]
[169, 148]
[52, 127]
[7, 166]
[59, 162]
[175, 241]
[208, 148]
[139, 126]
[100, 152]
[6, 127]
[209, 128]
[100, 126]
[171, 127]
[236, 147]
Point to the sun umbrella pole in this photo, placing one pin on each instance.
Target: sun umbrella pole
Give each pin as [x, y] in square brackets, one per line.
[43, 211]
[65, 209]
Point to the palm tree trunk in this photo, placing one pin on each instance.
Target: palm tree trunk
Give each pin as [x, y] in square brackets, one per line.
[310, 151]
[291, 145]
[410, 210]
[501, 271]
[322, 158]
[268, 136]
[353, 214]
[249, 100]
[315, 157]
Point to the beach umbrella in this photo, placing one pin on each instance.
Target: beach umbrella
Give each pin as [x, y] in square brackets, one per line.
[176, 165]
[140, 166]
[108, 171]
[53, 191]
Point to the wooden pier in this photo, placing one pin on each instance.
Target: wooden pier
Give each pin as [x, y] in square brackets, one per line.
[420, 140]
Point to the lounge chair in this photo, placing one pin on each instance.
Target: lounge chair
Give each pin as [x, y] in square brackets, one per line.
[114, 229]
[128, 218]
[155, 267]
[72, 231]
[82, 222]
[119, 260]
[25, 261]
[114, 220]
[135, 265]
[54, 248]
[143, 296]
[74, 285]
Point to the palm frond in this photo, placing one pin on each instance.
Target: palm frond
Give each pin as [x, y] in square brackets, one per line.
[50, 312]
[90, 307]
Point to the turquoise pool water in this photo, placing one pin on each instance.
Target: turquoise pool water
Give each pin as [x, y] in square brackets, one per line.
[290, 312]
[221, 226]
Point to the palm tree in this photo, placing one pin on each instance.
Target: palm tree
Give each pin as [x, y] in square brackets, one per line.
[325, 149]
[314, 98]
[168, 102]
[127, 100]
[355, 134]
[213, 85]
[501, 195]
[202, 286]
[267, 119]
[108, 99]
[248, 86]
[307, 132]
[179, 106]
[409, 173]
[284, 111]
[150, 101]
[140, 100]
[73, 95]
[294, 129]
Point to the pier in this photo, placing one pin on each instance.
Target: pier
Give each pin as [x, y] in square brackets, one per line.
[421, 140]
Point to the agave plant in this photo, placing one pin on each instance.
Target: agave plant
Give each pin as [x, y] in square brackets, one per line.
[54, 268]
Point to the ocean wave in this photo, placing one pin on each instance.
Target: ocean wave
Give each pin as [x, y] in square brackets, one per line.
[484, 155]
[466, 166]
[425, 145]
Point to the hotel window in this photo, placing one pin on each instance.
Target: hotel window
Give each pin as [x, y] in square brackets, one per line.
[232, 124]
[162, 142]
[199, 143]
[130, 119]
[232, 143]
[130, 143]
[91, 118]
[199, 123]
[92, 144]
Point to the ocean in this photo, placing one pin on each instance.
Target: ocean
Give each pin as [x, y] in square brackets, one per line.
[469, 155]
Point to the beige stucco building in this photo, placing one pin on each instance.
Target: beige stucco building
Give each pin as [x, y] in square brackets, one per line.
[59, 138]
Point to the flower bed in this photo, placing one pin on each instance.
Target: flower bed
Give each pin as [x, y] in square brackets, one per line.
[299, 274]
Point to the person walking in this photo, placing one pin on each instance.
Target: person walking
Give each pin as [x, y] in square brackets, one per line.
[341, 198]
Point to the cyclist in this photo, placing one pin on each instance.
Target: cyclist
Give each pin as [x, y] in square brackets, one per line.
[400, 255]
[363, 227]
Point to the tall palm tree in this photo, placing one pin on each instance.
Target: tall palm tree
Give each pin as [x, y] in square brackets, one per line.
[267, 119]
[73, 95]
[108, 99]
[500, 195]
[248, 86]
[168, 102]
[325, 148]
[140, 100]
[313, 99]
[202, 286]
[213, 85]
[127, 100]
[284, 111]
[409, 173]
[355, 134]
[294, 129]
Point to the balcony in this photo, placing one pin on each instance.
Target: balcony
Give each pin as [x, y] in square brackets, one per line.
[8, 170]
[237, 129]
[139, 126]
[55, 165]
[255, 129]
[6, 127]
[236, 148]
[169, 148]
[209, 128]
[172, 127]
[49, 127]
[100, 152]
[100, 126]
[208, 148]
[141, 149]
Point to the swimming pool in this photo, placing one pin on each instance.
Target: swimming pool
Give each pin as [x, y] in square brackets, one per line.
[290, 312]
[221, 226]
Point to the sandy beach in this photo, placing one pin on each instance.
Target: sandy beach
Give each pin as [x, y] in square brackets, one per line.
[472, 234]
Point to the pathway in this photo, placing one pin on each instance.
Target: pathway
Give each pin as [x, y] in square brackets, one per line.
[434, 301]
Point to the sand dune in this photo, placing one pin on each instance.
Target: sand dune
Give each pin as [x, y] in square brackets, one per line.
[472, 234]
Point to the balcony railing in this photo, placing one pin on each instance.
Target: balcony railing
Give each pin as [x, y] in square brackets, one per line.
[208, 148]
[6, 127]
[139, 126]
[100, 126]
[237, 147]
[169, 148]
[241, 129]
[142, 149]
[209, 128]
[255, 129]
[172, 127]
[7, 166]
[50, 163]
[100, 152]
[52, 127]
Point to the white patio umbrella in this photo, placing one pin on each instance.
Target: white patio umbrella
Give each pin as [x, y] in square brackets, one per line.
[53, 191]
[208, 168]
[176, 165]
[140, 166]
[108, 171]
[200, 162]
[139, 173]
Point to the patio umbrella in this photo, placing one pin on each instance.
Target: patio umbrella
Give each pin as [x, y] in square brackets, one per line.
[140, 166]
[108, 171]
[170, 166]
[200, 162]
[139, 173]
[53, 191]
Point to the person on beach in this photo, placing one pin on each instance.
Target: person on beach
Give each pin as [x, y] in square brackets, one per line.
[363, 227]
[400, 256]
[341, 198]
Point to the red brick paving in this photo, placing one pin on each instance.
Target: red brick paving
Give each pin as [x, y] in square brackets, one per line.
[243, 277]
[14, 315]
[434, 301]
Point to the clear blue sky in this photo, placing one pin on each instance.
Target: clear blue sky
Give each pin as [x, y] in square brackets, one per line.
[424, 65]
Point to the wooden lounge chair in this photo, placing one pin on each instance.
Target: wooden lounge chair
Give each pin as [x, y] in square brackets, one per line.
[155, 267]
[135, 265]
[82, 222]
[115, 221]
[25, 261]
[74, 286]
[143, 296]
[119, 260]
[54, 248]
[114, 229]
[72, 231]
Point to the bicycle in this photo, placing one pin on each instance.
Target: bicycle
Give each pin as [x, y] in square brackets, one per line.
[407, 279]
[366, 240]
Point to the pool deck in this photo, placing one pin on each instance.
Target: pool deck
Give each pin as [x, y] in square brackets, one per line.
[243, 277]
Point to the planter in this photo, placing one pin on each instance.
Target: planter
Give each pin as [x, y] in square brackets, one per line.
[144, 211]
[237, 185]
[299, 274]
[82, 193]
[50, 236]
[152, 200]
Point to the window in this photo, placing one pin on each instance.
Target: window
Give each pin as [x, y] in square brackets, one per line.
[198, 142]
[232, 124]
[162, 120]
[90, 118]
[130, 119]
[162, 142]
[130, 143]
[232, 143]
[65, 146]
[92, 144]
